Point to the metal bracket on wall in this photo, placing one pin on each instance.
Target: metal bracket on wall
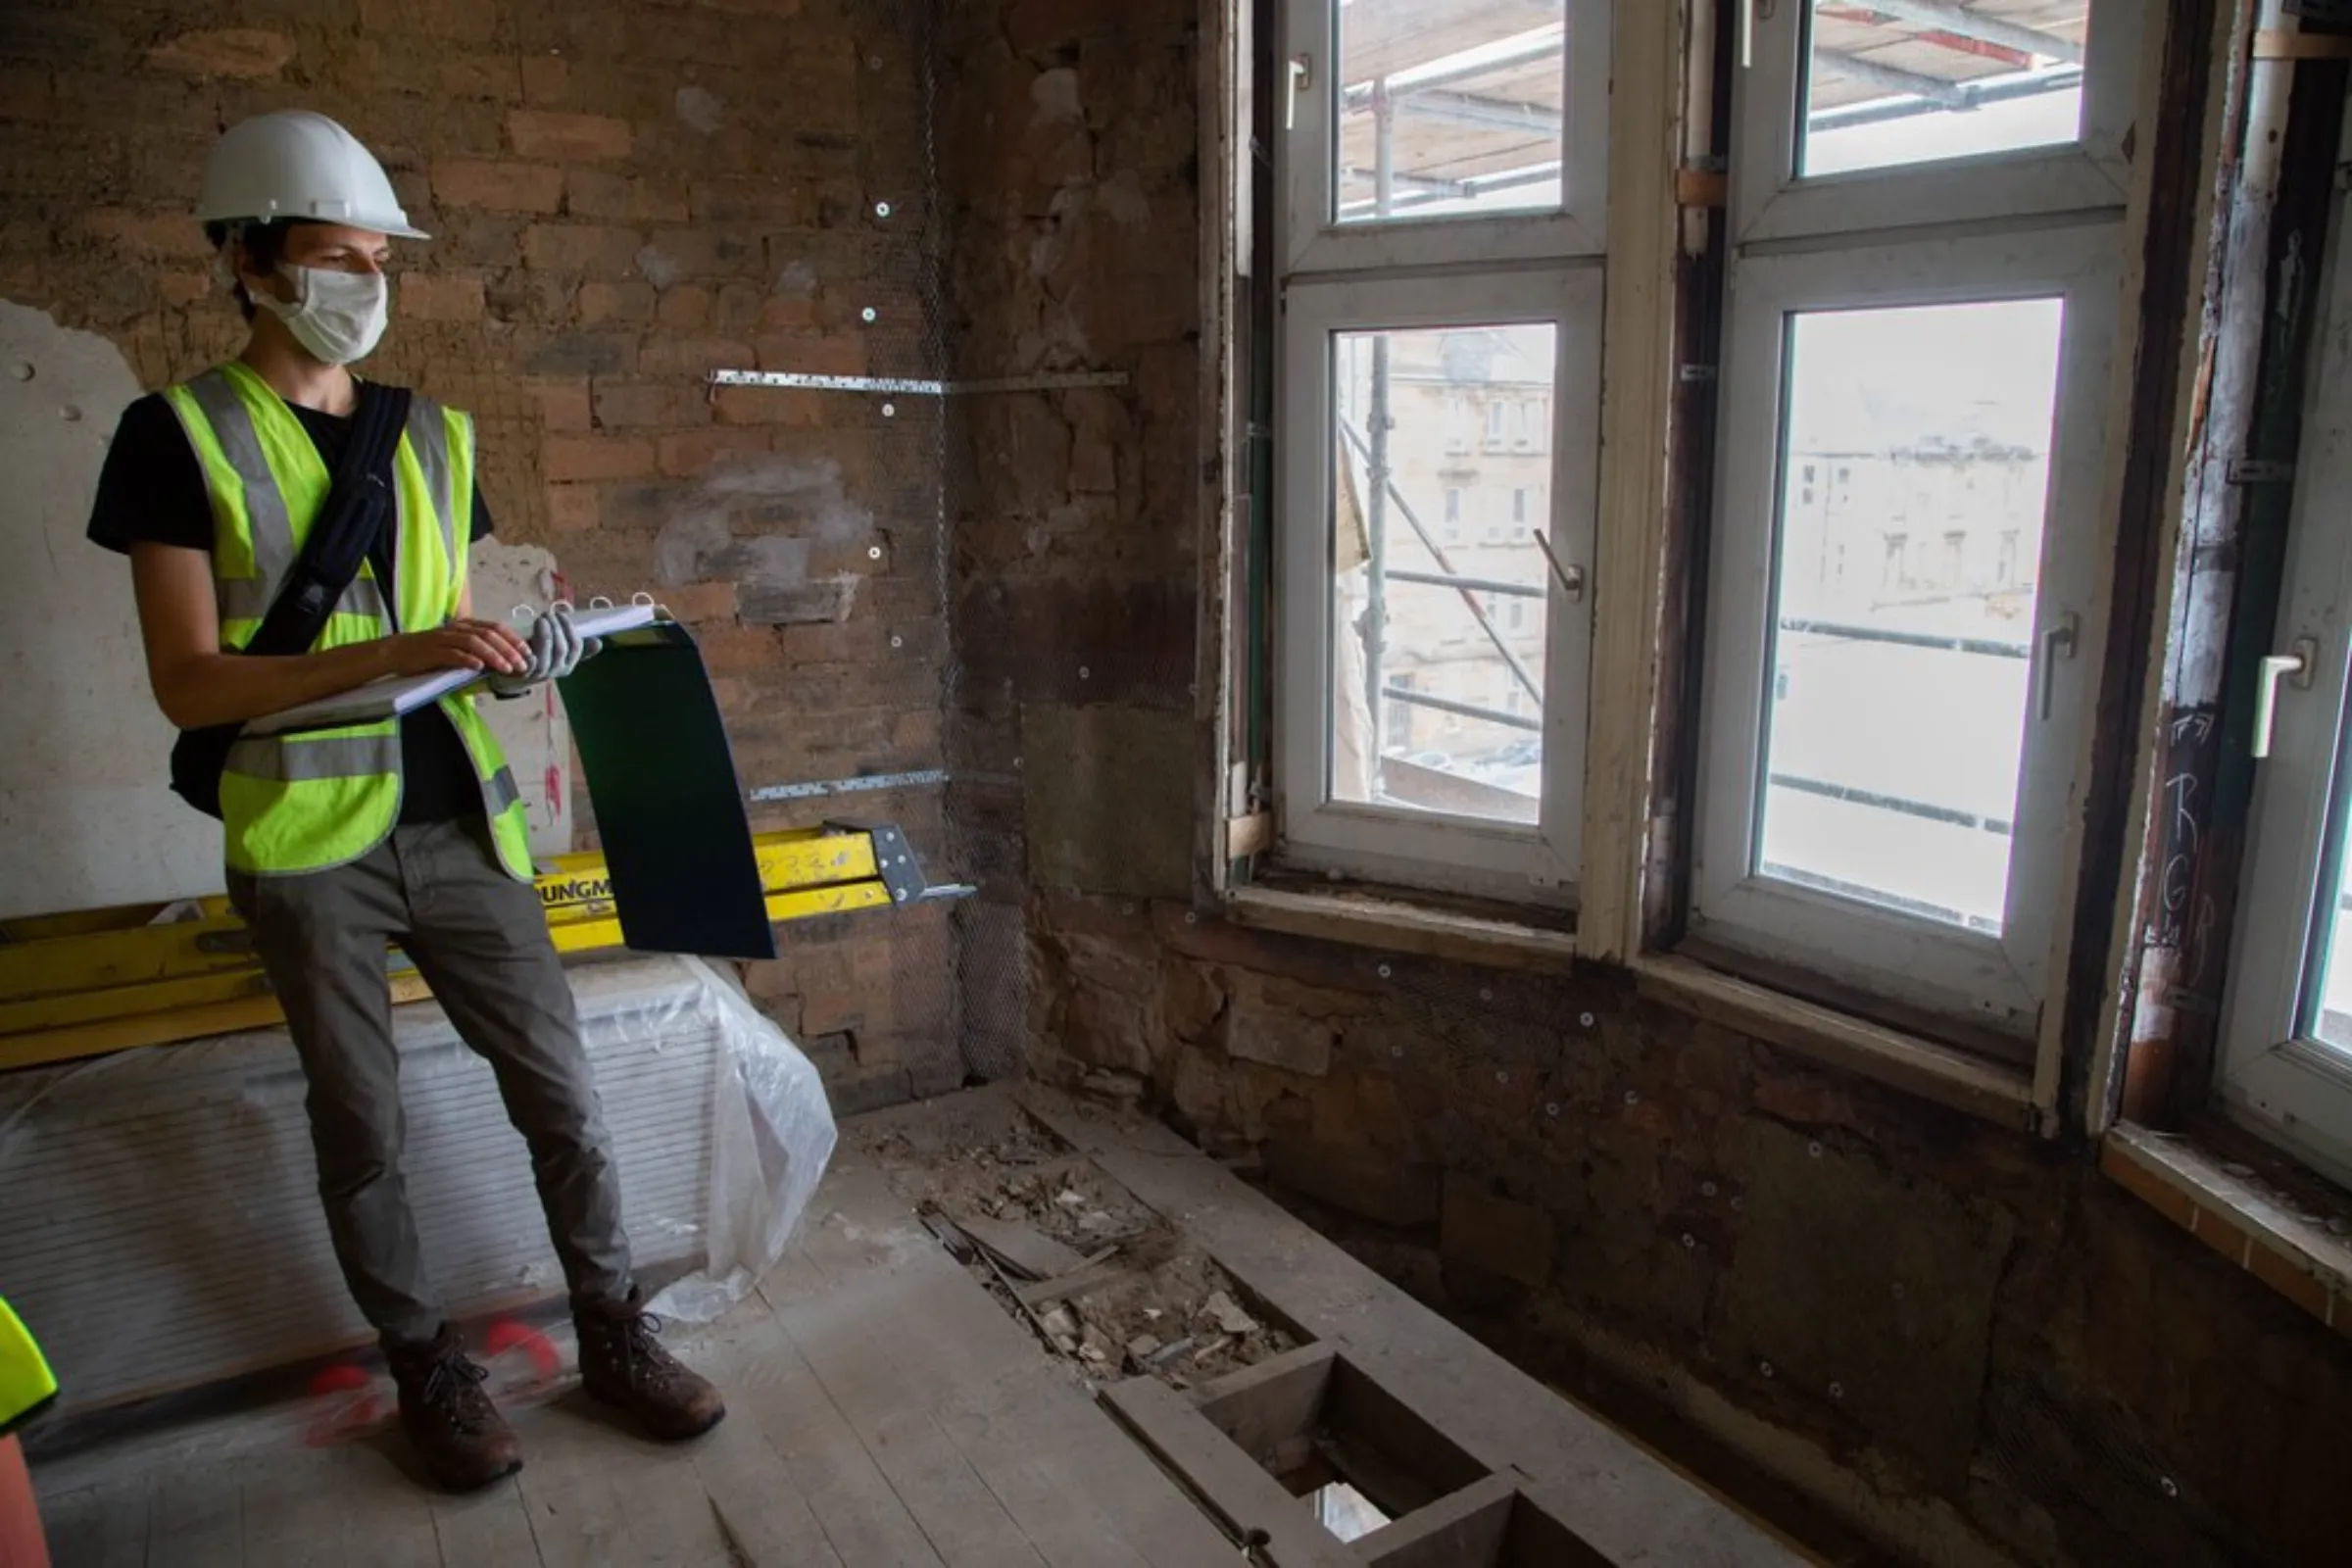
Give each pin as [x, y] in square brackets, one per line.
[905, 387]
[895, 861]
[819, 789]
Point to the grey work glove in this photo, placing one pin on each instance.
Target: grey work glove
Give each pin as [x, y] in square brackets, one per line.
[557, 649]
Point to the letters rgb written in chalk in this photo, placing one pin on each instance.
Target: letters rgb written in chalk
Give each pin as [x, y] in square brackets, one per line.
[404, 694]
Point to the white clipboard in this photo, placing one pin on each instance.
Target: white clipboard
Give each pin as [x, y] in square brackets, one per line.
[397, 695]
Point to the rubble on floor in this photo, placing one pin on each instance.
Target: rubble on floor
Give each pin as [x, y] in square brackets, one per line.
[1101, 1279]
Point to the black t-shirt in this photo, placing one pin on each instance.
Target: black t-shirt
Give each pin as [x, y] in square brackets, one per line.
[152, 491]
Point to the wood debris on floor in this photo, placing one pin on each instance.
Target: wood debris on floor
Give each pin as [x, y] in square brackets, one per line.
[1107, 1283]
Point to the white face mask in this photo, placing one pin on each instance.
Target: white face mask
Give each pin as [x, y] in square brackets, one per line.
[339, 316]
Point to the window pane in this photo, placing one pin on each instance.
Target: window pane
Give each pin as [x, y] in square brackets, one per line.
[1437, 592]
[1449, 107]
[1914, 480]
[1912, 81]
[2325, 1013]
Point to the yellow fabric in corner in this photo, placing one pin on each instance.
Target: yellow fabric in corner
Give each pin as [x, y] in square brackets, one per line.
[26, 1381]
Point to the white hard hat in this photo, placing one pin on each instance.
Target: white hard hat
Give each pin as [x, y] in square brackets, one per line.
[294, 163]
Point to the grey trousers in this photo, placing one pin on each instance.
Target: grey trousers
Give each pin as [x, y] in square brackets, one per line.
[479, 939]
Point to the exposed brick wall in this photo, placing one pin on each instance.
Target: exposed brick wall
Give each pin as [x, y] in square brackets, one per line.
[1968, 1342]
[623, 195]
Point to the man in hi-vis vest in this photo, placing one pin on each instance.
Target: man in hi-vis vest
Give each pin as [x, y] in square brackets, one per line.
[410, 832]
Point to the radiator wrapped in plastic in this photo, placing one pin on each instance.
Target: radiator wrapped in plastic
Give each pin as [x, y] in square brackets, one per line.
[159, 1228]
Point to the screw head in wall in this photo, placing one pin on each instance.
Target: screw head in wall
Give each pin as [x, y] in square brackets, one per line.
[1384, 971]
[1706, 1188]
[1190, 918]
[873, 62]
[1633, 1096]
[1737, 1205]
[873, 551]
[1552, 1109]
[1587, 1019]
[1485, 996]
[890, 410]
[1837, 1390]
[2171, 1488]
[1764, 1367]
[1396, 1051]
[1689, 1241]
[1814, 1149]
[1502, 1077]
[1085, 673]
[869, 313]
[896, 641]
[881, 209]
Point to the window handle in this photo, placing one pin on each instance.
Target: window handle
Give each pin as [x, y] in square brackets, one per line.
[2057, 640]
[1302, 74]
[1747, 33]
[1571, 578]
[2297, 665]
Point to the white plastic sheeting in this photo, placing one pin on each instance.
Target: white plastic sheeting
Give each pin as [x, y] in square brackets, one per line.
[159, 1221]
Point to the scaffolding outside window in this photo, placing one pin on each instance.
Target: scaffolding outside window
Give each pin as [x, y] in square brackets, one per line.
[1431, 675]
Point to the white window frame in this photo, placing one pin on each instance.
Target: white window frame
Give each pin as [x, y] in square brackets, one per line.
[1315, 243]
[1410, 846]
[1769, 201]
[1412, 273]
[1827, 245]
[2294, 1091]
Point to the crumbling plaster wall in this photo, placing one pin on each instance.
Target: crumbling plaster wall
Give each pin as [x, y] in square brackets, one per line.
[1964, 1339]
[624, 195]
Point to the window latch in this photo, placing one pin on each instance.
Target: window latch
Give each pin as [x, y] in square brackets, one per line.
[2058, 639]
[1570, 578]
[1302, 74]
[2297, 665]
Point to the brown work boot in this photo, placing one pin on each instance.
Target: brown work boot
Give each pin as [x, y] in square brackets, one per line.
[464, 1442]
[624, 1366]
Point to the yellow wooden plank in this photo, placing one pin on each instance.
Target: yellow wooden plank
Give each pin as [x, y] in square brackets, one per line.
[121, 1002]
[105, 960]
[76, 961]
[53, 1046]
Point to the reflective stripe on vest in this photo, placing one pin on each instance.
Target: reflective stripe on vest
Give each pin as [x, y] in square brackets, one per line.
[308, 801]
[26, 1382]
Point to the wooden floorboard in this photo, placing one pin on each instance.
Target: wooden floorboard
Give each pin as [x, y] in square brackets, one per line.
[200, 1515]
[1084, 1495]
[489, 1530]
[885, 1411]
[1625, 1503]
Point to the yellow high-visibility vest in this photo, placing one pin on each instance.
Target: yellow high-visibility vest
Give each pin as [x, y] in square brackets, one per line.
[26, 1382]
[324, 798]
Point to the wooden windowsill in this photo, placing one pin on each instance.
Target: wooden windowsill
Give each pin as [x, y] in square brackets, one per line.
[2229, 1209]
[1395, 925]
[1993, 1091]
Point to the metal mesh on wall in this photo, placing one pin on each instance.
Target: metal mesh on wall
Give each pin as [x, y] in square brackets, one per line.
[896, 432]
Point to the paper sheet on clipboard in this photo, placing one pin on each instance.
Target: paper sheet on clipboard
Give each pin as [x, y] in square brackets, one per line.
[404, 694]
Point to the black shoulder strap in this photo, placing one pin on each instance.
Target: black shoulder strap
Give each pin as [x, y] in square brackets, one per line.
[359, 502]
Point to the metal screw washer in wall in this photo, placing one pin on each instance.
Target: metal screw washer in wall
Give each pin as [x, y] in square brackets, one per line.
[881, 209]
